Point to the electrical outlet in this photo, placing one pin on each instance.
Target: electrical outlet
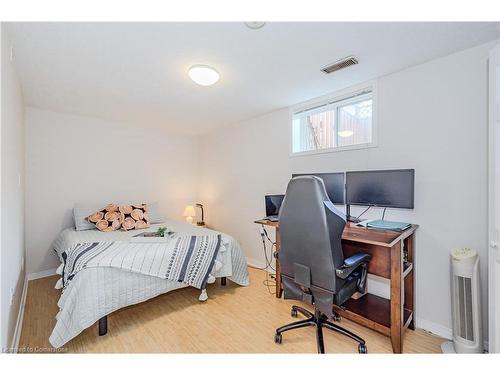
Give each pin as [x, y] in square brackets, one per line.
[11, 296]
[11, 53]
[22, 263]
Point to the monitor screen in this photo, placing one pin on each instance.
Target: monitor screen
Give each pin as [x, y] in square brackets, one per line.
[334, 184]
[273, 204]
[389, 188]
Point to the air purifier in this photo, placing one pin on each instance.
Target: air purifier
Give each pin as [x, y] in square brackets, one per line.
[465, 303]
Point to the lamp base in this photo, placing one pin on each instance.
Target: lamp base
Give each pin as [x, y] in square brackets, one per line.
[189, 219]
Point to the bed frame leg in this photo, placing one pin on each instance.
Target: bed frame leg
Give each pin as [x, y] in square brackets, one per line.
[103, 325]
[223, 281]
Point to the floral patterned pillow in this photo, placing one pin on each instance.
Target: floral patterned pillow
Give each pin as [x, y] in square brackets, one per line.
[134, 216]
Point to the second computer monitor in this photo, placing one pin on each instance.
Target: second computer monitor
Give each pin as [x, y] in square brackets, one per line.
[273, 204]
[386, 188]
[334, 184]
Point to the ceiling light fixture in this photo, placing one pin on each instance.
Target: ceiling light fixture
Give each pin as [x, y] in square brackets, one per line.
[346, 133]
[255, 25]
[203, 75]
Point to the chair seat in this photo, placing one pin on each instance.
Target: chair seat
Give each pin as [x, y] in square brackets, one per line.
[348, 289]
[295, 291]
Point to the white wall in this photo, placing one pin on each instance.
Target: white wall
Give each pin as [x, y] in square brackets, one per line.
[12, 194]
[431, 117]
[73, 159]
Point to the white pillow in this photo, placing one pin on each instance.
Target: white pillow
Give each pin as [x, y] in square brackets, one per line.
[155, 216]
[80, 212]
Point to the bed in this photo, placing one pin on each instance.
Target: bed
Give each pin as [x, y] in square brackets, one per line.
[95, 292]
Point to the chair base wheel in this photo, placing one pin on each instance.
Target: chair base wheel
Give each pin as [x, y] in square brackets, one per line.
[278, 338]
[319, 321]
[336, 318]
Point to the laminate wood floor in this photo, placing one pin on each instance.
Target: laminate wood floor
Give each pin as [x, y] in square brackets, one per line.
[234, 320]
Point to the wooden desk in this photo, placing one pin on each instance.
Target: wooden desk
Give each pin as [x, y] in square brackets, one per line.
[393, 257]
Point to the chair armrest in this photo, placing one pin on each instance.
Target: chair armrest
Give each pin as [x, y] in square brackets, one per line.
[351, 263]
[356, 259]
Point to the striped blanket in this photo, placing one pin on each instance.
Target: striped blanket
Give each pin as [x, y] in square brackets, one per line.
[188, 258]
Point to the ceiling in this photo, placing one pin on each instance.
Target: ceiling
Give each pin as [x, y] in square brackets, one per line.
[137, 72]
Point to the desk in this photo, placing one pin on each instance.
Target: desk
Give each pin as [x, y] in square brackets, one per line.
[393, 257]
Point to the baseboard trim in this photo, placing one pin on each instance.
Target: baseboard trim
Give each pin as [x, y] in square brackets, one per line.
[42, 274]
[255, 263]
[442, 331]
[258, 264]
[434, 328]
[20, 316]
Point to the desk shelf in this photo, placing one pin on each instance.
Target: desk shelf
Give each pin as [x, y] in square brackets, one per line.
[373, 311]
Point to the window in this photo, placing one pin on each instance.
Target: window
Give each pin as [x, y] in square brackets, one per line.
[334, 125]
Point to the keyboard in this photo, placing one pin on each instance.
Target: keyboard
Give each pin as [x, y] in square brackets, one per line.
[271, 218]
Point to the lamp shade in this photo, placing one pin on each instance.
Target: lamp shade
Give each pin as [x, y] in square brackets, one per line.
[189, 211]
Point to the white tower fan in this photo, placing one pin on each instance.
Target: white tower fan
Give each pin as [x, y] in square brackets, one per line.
[465, 303]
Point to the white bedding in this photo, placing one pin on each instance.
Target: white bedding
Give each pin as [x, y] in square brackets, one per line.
[96, 292]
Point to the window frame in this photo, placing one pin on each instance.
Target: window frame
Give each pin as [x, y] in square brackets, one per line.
[326, 100]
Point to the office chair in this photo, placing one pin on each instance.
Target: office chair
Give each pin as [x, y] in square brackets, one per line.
[313, 268]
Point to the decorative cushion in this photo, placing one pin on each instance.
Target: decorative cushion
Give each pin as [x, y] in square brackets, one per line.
[107, 219]
[126, 217]
[134, 216]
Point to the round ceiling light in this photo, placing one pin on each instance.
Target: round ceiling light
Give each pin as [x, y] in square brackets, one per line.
[203, 75]
[255, 25]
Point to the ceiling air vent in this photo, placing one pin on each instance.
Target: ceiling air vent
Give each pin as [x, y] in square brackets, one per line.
[340, 64]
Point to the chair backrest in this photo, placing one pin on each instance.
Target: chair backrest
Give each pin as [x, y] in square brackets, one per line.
[310, 231]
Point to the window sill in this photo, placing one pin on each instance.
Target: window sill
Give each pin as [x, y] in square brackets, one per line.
[336, 149]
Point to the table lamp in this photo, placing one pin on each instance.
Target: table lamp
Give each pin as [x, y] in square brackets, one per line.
[189, 213]
[202, 222]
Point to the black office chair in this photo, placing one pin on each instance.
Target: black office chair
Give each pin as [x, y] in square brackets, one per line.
[313, 268]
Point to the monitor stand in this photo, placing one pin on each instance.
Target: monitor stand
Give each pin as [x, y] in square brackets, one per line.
[349, 218]
[353, 219]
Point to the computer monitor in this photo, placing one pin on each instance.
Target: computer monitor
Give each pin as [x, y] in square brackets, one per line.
[385, 188]
[273, 204]
[334, 184]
